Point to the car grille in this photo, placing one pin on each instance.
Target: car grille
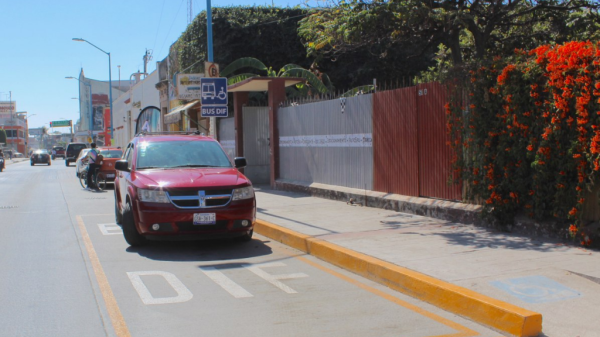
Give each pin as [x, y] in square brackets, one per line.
[200, 199]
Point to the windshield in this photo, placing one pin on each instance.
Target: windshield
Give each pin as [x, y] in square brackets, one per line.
[176, 154]
[112, 153]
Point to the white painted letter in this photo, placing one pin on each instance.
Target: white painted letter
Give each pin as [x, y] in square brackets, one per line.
[183, 294]
[274, 279]
[225, 282]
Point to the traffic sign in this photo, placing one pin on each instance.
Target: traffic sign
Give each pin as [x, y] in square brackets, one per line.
[56, 124]
[214, 91]
[215, 111]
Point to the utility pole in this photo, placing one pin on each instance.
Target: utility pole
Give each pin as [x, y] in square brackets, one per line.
[147, 58]
[119, 77]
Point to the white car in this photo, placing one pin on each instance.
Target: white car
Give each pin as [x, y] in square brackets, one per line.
[79, 166]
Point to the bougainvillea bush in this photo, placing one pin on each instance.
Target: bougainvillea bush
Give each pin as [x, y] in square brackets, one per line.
[528, 140]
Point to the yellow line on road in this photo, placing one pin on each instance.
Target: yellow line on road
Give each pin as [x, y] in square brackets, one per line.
[114, 312]
[463, 331]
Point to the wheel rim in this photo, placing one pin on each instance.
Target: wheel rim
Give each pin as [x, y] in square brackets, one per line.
[82, 180]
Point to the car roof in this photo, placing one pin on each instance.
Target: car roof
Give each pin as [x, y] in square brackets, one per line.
[109, 148]
[167, 138]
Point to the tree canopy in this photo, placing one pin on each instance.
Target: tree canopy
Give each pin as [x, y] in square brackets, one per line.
[469, 29]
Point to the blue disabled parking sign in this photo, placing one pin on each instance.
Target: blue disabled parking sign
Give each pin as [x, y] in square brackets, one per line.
[214, 97]
[214, 91]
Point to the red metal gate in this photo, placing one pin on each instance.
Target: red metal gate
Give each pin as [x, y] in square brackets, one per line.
[410, 151]
[395, 148]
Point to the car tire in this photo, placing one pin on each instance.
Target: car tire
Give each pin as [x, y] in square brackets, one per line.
[132, 236]
[118, 215]
[245, 238]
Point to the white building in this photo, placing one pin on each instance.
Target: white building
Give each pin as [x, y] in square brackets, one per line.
[128, 107]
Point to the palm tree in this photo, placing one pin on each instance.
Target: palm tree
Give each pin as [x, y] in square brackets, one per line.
[314, 84]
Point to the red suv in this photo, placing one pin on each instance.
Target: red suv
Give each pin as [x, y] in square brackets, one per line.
[182, 186]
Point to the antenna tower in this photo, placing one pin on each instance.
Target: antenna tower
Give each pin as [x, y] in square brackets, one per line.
[190, 11]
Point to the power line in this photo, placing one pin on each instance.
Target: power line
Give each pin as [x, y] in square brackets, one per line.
[174, 19]
[159, 21]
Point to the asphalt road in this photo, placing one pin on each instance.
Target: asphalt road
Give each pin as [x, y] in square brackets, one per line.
[67, 271]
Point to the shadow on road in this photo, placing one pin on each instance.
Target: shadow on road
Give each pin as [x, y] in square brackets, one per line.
[209, 250]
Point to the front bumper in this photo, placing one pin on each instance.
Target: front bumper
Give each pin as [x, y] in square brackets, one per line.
[40, 160]
[177, 223]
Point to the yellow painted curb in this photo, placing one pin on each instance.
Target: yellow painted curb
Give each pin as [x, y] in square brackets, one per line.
[480, 308]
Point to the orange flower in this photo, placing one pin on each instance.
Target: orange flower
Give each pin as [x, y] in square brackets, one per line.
[577, 155]
[573, 211]
[573, 229]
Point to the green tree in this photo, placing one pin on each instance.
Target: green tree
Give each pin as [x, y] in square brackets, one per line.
[467, 28]
[316, 83]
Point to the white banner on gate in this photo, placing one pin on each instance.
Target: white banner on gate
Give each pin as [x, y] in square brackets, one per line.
[351, 140]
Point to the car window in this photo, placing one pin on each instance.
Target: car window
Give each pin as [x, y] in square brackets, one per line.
[129, 156]
[77, 147]
[111, 153]
[175, 154]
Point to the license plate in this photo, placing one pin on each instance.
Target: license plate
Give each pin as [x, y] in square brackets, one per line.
[205, 218]
[110, 176]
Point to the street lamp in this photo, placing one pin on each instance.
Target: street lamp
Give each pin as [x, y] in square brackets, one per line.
[109, 84]
[91, 130]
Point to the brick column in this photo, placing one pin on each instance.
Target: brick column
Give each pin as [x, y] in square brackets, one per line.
[239, 100]
[276, 97]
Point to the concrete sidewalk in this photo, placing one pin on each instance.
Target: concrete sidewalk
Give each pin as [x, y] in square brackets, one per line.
[485, 275]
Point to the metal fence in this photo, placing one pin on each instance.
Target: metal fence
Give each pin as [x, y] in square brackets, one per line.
[328, 142]
[226, 134]
[256, 144]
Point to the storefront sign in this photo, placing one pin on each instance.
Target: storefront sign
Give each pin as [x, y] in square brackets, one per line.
[188, 86]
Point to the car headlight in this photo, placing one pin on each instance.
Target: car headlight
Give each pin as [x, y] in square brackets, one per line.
[243, 193]
[152, 196]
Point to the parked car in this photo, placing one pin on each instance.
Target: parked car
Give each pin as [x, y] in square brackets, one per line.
[72, 152]
[58, 151]
[40, 157]
[107, 164]
[171, 187]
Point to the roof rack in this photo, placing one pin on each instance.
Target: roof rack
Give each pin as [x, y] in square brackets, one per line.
[147, 133]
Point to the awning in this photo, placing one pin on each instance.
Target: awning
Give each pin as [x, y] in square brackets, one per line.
[175, 115]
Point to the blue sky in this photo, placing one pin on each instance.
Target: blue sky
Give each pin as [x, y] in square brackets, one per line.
[37, 51]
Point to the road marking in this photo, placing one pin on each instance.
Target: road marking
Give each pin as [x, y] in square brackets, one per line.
[110, 229]
[226, 283]
[536, 289]
[112, 307]
[274, 279]
[183, 293]
[463, 330]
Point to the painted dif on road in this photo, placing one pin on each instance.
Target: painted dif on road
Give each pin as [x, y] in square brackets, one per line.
[483, 309]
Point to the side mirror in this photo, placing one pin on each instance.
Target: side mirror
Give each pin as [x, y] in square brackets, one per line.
[240, 162]
[121, 165]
